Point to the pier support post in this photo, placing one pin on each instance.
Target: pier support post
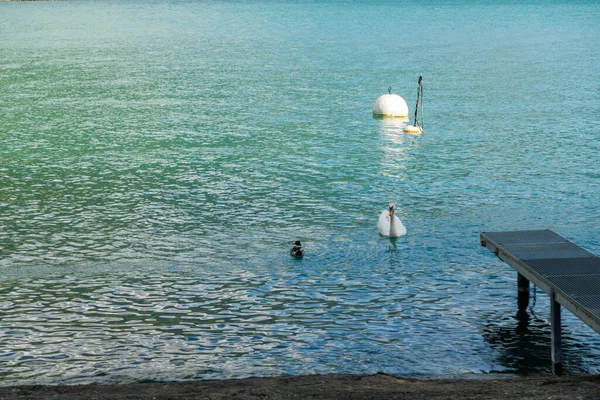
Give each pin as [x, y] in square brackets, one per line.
[556, 337]
[523, 295]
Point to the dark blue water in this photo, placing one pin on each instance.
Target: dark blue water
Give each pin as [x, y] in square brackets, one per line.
[159, 158]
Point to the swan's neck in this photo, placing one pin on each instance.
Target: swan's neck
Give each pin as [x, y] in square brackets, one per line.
[392, 225]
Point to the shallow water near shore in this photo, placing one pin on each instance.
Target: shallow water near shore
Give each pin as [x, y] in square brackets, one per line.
[159, 159]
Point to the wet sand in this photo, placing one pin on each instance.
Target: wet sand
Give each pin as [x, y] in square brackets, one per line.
[372, 387]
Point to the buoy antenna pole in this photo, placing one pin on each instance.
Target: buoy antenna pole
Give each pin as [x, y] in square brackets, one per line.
[419, 91]
[421, 96]
[390, 90]
[419, 100]
[416, 129]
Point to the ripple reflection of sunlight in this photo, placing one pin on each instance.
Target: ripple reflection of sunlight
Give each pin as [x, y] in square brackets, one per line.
[396, 145]
[393, 129]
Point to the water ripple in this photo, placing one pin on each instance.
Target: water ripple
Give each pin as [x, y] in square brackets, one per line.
[152, 180]
[119, 326]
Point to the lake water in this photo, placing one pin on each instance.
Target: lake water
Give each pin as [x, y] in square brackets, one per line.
[159, 158]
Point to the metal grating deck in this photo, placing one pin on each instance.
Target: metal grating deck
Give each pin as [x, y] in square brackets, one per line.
[553, 264]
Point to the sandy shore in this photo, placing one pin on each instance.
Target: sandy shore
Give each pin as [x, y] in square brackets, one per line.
[372, 387]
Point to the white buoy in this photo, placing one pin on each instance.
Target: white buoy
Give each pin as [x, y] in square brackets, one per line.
[390, 105]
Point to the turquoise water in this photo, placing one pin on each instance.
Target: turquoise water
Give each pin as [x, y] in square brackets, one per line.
[159, 158]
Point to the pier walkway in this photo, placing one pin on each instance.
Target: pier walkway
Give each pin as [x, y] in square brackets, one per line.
[569, 274]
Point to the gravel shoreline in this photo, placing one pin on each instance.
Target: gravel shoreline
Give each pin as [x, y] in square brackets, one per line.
[373, 387]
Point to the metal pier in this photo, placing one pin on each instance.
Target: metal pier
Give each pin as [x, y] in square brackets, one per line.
[569, 274]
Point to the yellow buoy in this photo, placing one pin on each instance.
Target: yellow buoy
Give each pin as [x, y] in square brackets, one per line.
[417, 129]
[413, 129]
[390, 105]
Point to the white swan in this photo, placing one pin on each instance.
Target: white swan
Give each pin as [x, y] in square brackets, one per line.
[389, 224]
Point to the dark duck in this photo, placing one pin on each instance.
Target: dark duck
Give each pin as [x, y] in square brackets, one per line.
[297, 251]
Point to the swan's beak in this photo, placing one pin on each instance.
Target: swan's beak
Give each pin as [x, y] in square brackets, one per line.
[391, 211]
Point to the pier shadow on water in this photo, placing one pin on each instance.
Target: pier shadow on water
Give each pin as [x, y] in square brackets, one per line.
[523, 343]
